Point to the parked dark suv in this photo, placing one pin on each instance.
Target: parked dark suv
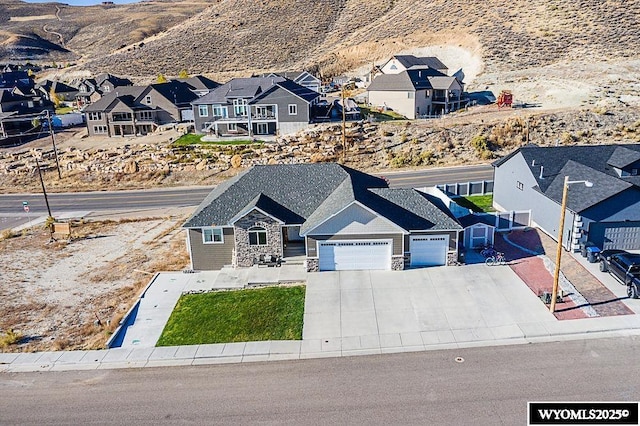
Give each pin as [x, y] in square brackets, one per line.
[624, 266]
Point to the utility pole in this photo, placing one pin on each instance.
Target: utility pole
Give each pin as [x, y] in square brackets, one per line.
[53, 142]
[344, 128]
[44, 191]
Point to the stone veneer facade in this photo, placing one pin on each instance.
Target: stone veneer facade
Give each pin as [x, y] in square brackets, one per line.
[397, 263]
[245, 253]
[313, 264]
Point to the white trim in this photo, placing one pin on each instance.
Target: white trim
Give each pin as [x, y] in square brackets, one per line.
[295, 112]
[245, 212]
[402, 230]
[212, 235]
[189, 248]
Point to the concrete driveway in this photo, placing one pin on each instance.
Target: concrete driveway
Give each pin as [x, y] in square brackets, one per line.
[427, 306]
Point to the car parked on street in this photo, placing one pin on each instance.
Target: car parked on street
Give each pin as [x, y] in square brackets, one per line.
[625, 266]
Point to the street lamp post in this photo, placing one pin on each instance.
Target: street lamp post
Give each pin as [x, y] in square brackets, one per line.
[556, 273]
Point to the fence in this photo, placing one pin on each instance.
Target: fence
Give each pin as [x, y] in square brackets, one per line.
[468, 188]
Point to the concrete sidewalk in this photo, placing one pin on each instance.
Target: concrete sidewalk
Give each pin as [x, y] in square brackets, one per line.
[309, 348]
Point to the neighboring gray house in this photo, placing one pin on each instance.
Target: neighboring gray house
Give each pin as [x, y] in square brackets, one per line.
[340, 218]
[303, 78]
[607, 214]
[138, 110]
[255, 106]
[418, 91]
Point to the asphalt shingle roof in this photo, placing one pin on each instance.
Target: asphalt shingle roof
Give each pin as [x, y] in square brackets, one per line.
[417, 211]
[414, 79]
[595, 163]
[409, 61]
[309, 194]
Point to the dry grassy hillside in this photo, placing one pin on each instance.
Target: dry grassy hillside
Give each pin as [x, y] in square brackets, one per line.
[338, 35]
[56, 31]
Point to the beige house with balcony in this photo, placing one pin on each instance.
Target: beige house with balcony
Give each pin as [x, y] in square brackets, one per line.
[139, 110]
[416, 87]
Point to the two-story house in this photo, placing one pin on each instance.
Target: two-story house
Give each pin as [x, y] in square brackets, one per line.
[255, 106]
[138, 110]
[62, 91]
[17, 113]
[91, 89]
[416, 87]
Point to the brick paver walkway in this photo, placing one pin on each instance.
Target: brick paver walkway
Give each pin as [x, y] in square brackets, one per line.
[532, 271]
[597, 295]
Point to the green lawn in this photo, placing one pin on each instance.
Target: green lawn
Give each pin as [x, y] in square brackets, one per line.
[193, 139]
[271, 313]
[477, 203]
[64, 110]
[380, 116]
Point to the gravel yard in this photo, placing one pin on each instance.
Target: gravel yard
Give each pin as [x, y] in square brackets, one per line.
[71, 295]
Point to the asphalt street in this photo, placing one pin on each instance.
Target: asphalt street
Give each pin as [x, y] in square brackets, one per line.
[482, 386]
[11, 205]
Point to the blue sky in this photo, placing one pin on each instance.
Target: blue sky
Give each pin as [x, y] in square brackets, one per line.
[80, 2]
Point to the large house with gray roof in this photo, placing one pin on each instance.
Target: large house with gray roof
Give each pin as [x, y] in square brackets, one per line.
[255, 106]
[606, 214]
[139, 110]
[416, 87]
[340, 218]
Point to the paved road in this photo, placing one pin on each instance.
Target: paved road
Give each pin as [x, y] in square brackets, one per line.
[11, 205]
[491, 386]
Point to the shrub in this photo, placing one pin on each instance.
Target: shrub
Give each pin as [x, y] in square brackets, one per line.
[236, 161]
[10, 338]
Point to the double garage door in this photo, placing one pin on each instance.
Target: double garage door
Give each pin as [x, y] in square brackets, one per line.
[355, 255]
[426, 250]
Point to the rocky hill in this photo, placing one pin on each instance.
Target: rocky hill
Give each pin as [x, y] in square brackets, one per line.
[332, 36]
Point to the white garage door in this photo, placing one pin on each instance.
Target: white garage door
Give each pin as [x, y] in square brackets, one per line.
[429, 250]
[354, 255]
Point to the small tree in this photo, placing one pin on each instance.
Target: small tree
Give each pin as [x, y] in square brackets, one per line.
[55, 98]
[161, 79]
[183, 74]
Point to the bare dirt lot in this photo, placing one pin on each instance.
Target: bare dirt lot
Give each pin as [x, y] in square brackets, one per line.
[71, 295]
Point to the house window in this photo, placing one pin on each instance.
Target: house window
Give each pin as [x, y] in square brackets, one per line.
[219, 111]
[257, 236]
[240, 107]
[520, 185]
[145, 115]
[233, 127]
[106, 89]
[203, 111]
[293, 109]
[262, 128]
[94, 116]
[634, 172]
[148, 100]
[393, 67]
[261, 111]
[99, 129]
[212, 236]
[411, 95]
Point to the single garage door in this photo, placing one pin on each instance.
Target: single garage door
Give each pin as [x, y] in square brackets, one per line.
[429, 250]
[615, 235]
[354, 255]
